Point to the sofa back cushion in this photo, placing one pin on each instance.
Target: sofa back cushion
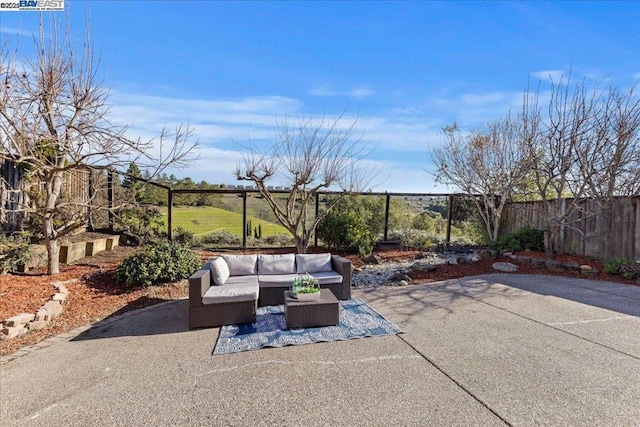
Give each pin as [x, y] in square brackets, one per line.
[219, 271]
[241, 265]
[313, 263]
[277, 264]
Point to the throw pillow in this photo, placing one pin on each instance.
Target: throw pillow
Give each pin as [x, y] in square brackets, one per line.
[219, 271]
[241, 265]
[277, 264]
[313, 263]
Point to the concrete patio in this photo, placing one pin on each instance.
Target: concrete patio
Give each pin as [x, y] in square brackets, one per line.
[487, 350]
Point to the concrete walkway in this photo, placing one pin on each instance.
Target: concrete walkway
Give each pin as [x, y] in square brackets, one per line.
[487, 350]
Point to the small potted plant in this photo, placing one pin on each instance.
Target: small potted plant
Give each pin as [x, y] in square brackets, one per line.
[305, 288]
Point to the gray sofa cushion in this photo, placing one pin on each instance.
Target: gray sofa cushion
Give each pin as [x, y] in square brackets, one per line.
[242, 265]
[240, 280]
[231, 293]
[326, 277]
[276, 280]
[276, 264]
[313, 263]
[219, 271]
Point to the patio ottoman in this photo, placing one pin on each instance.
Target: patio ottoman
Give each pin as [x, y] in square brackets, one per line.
[310, 314]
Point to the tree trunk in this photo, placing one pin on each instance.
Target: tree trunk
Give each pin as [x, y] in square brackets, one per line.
[548, 244]
[301, 247]
[53, 256]
[53, 186]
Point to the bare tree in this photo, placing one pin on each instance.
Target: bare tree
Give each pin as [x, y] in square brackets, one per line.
[54, 117]
[308, 156]
[487, 164]
[583, 145]
[613, 166]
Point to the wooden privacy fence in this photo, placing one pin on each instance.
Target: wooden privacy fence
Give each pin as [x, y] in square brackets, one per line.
[14, 195]
[601, 230]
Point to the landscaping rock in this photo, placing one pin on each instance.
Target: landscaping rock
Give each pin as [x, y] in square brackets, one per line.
[421, 255]
[524, 259]
[470, 259]
[373, 259]
[486, 254]
[53, 308]
[505, 266]
[553, 265]
[42, 315]
[399, 276]
[571, 265]
[19, 320]
[59, 297]
[37, 325]
[422, 266]
[403, 283]
[590, 272]
[13, 331]
[538, 262]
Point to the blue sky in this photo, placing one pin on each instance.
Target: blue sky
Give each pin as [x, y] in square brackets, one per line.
[404, 69]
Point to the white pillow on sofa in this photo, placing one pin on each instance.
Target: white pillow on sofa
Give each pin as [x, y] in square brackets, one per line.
[313, 263]
[241, 265]
[219, 271]
[277, 264]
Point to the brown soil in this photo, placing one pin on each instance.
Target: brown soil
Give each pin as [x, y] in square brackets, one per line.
[96, 295]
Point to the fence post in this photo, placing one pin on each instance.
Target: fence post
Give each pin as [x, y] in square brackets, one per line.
[315, 234]
[169, 214]
[244, 220]
[110, 199]
[449, 216]
[386, 217]
[90, 204]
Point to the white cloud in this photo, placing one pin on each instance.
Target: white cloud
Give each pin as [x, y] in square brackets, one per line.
[554, 75]
[402, 136]
[356, 92]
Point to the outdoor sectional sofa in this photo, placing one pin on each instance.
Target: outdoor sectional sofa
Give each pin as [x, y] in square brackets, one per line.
[229, 288]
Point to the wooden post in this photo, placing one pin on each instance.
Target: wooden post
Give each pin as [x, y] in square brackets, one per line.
[110, 199]
[449, 216]
[244, 219]
[315, 235]
[90, 204]
[169, 214]
[386, 217]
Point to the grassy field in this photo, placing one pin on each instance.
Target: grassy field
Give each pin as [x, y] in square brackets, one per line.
[207, 219]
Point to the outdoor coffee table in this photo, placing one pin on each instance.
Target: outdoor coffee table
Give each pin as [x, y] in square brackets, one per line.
[310, 314]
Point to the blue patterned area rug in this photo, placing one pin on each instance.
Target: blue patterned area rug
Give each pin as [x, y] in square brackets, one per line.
[357, 320]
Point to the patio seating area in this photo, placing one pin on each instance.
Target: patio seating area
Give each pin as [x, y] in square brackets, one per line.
[228, 289]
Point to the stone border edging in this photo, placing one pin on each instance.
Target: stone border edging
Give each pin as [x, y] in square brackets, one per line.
[23, 323]
[552, 265]
[67, 336]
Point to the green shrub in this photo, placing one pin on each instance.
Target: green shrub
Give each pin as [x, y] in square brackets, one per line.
[221, 239]
[158, 263]
[14, 251]
[525, 238]
[183, 236]
[413, 239]
[282, 240]
[614, 265]
[353, 224]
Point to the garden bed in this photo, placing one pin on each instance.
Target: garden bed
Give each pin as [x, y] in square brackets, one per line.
[96, 294]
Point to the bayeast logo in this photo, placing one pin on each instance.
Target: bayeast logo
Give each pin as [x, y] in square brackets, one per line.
[42, 4]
